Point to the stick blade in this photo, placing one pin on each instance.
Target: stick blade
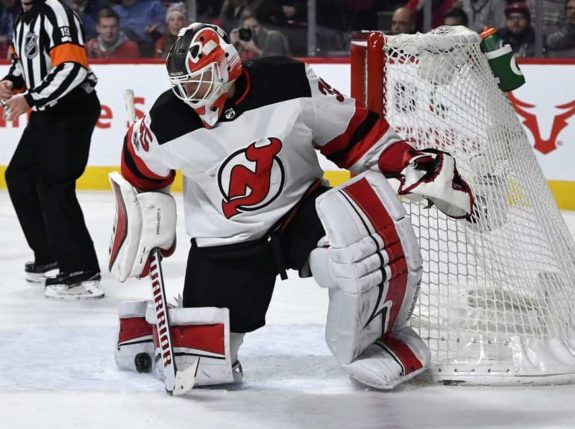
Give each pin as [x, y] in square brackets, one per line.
[186, 379]
[130, 105]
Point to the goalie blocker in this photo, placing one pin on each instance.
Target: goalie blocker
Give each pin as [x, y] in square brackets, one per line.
[371, 263]
[144, 221]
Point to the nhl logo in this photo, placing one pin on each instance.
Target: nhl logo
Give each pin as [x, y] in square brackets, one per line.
[31, 45]
[230, 113]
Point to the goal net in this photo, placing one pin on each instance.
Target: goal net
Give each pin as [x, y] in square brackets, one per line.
[497, 300]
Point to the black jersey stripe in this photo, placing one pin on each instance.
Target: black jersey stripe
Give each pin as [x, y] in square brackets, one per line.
[75, 29]
[356, 138]
[47, 80]
[65, 86]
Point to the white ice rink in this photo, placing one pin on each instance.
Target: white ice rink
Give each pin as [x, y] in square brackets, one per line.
[57, 368]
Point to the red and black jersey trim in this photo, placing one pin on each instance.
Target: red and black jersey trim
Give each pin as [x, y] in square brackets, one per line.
[265, 81]
[135, 172]
[364, 130]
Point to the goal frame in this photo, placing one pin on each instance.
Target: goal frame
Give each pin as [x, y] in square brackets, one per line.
[368, 88]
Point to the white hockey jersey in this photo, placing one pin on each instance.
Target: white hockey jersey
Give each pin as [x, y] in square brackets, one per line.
[243, 175]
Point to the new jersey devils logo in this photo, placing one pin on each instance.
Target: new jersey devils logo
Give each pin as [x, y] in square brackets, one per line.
[530, 122]
[251, 178]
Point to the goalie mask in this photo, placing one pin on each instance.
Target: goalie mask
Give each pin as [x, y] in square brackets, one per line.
[202, 65]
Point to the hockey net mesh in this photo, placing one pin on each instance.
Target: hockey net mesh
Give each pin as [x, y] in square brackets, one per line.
[497, 301]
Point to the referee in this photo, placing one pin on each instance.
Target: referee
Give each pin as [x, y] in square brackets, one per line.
[51, 76]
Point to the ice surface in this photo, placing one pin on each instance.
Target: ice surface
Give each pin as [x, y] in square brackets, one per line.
[57, 368]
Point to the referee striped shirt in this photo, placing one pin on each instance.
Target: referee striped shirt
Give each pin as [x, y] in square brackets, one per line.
[48, 55]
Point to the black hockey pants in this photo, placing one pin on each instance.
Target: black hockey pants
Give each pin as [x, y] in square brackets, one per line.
[41, 177]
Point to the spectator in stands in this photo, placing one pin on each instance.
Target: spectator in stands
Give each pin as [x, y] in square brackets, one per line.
[176, 19]
[402, 21]
[562, 42]
[358, 14]
[233, 10]
[481, 13]
[88, 13]
[438, 10]
[518, 31]
[143, 22]
[456, 16]
[111, 42]
[282, 13]
[208, 10]
[8, 11]
[253, 40]
[552, 14]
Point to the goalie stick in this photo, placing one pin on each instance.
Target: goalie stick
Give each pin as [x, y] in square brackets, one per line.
[176, 382]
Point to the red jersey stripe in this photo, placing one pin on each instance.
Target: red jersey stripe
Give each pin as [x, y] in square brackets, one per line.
[364, 145]
[342, 141]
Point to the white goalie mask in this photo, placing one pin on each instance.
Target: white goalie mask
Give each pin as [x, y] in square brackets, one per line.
[202, 66]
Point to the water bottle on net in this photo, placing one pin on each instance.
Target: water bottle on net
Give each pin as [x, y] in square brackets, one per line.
[501, 60]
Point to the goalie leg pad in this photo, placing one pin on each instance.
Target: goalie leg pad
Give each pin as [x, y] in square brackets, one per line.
[143, 222]
[372, 265]
[134, 346]
[393, 359]
[201, 334]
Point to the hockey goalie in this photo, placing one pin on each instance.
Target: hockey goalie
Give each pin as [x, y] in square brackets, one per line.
[246, 137]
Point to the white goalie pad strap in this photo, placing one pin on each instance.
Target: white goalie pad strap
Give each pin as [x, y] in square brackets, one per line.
[200, 333]
[433, 175]
[143, 222]
[373, 264]
[131, 309]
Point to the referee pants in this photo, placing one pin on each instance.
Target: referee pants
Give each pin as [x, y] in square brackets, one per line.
[41, 177]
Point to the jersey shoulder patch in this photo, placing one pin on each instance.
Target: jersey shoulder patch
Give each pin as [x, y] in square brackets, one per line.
[172, 118]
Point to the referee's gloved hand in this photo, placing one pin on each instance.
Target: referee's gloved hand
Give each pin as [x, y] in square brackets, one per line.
[6, 89]
[16, 106]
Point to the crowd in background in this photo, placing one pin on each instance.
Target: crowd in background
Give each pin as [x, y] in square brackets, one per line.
[147, 28]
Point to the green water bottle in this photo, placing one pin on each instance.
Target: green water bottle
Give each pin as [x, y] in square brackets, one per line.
[501, 60]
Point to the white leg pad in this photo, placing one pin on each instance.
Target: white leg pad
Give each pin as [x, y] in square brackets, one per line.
[371, 263]
[134, 346]
[204, 334]
[395, 358]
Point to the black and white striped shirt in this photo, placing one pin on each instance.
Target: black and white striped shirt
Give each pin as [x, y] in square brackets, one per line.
[49, 59]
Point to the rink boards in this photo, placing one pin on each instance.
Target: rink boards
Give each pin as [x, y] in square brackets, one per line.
[546, 108]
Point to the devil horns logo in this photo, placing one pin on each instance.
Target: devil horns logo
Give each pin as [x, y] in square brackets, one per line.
[251, 178]
[530, 122]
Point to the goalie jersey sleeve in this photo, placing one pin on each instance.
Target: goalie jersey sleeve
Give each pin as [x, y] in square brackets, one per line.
[141, 162]
[352, 137]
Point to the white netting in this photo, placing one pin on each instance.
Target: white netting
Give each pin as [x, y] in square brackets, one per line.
[497, 301]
